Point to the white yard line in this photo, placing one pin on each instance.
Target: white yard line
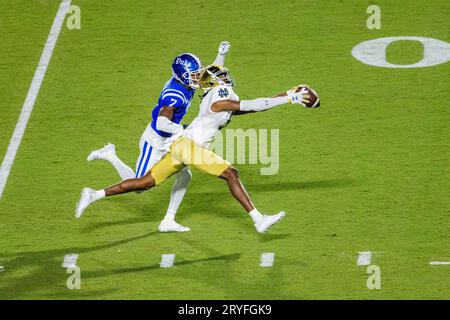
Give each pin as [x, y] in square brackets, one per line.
[33, 92]
[167, 260]
[267, 259]
[437, 263]
[70, 260]
[364, 258]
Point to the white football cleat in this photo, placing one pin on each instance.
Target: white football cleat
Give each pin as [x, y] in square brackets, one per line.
[267, 221]
[85, 200]
[172, 226]
[104, 153]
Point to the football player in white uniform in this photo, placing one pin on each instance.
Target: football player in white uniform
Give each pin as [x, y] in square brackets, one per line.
[172, 105]
[188, 148]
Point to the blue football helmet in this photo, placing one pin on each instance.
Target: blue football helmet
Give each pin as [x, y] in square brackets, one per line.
[186, 69]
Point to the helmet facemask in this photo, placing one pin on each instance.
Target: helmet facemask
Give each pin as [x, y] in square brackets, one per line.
[193, 78]
[213, 76]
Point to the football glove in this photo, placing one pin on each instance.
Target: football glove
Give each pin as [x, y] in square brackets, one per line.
[224, 47]
[301, 97]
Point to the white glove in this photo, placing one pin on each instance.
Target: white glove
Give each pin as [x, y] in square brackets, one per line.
[224, 47]
[301, 97]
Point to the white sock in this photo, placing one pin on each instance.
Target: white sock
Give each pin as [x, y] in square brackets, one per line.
[98, 194]
[178, 190]
[124, 171]
[256, 215]
[170, 216]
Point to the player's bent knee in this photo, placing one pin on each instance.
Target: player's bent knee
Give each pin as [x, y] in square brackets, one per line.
[235, 173]
[231, 173]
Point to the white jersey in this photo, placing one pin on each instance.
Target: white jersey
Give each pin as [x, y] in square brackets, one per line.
[156, 141]
[207, 124]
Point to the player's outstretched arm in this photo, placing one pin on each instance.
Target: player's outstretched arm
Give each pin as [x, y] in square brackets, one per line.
[260, 104]
[224, 47]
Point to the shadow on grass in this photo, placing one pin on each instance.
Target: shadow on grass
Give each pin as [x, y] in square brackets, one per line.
[194, 203]
[95, 226]
[286, 186]
[197, 200]
[273, 237]
[45, 270]
[104, 273]
[319, 184]
[46, 273]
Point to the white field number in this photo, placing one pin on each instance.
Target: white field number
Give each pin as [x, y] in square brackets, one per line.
[373, 52]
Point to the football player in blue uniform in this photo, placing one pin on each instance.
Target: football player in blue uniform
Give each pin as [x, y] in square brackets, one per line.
[173, 104]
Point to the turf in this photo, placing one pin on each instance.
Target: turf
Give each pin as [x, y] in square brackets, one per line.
[368, 170]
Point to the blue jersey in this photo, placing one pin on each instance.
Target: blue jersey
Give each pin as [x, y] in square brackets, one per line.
[176, 95]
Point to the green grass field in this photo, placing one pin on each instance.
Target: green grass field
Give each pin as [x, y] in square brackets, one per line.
[368, 171]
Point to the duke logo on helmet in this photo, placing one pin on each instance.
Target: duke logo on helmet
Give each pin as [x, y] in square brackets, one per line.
[186, 69]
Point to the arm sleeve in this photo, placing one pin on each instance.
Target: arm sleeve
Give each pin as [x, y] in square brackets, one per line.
[220, 60]
[262, 104]
[164, 124]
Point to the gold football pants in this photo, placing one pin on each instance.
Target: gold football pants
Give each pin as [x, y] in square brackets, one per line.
[185, 152]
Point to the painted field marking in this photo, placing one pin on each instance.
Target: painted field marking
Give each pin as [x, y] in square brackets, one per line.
[70, 260]
[32, 94]
[2, 268]
[267, 259]
[439, 263]
[167, 260]
[364, 258]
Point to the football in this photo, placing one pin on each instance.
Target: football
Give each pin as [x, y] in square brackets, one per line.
[314, 101]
